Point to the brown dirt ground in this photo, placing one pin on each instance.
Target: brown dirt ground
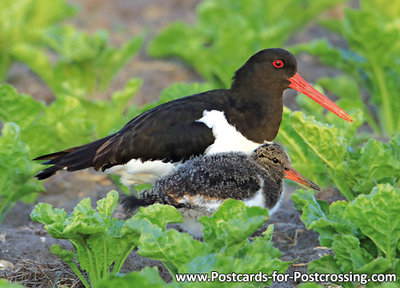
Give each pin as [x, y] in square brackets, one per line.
[25, 245]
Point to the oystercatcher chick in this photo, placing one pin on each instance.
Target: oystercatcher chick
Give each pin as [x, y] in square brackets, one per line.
[240, 119]
[202, 183]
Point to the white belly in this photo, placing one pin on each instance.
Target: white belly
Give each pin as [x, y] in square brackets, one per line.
[138, 172]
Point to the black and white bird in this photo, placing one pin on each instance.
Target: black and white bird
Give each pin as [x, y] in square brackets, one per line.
[241, 118]
[200, 185]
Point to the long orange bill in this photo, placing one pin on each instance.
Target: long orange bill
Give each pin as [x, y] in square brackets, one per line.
[294, 175]
[301, 85]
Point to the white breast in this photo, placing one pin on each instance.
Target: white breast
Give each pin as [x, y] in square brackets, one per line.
[227, 138]
[138, 172]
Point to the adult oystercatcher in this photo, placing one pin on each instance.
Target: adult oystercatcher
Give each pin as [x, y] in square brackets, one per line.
[202, 183]
[237, 119]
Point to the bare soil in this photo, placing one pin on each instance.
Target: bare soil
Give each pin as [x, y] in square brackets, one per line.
[24, 245]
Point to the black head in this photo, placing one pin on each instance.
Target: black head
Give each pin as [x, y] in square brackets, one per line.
[268, 69]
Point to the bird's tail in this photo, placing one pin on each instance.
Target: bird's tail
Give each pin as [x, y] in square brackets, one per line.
[72, 159]
[131, 203]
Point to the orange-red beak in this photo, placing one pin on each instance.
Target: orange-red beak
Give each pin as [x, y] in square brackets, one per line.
[299, 84]
[294, 175]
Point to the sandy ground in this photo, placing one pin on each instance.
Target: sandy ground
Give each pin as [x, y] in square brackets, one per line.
[24, 245]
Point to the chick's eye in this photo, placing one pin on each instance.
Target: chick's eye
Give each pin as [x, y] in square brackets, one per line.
[278, 63]
[276, 161]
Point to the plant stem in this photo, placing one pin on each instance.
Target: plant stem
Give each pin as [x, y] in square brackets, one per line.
[79, 274]
[118, 266]
[5, 206]
[93, 273]
[386, 114]
[106, 270]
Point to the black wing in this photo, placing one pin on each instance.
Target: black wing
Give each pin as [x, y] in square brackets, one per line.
[168, 132]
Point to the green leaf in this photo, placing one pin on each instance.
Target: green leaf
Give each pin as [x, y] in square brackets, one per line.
[325, 264]
[159, 215]
[99, 241]
[18, 108]
[147, 278]
[5, 284]
[327, 222]
[16, 169]
[348, 253]
[225, 229]
[23, 26]
[322, 139]
[45, 214]
[175, 91]
[381, 209]
[303, 158]
[216, 50]
[369, 59]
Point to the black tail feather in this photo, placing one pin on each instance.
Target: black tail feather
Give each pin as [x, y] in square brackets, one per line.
[47, 172]
[73, 159]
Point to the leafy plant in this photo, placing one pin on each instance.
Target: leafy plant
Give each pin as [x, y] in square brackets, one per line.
[16, 169]
[147, 278]
[101, 244]
[370, 60]
[354, 161]
[353, 169]
[360, 246]
[225, 248]
[23, 23]
[71, 62]
[84, 63]
[227, 33]
[67, 121]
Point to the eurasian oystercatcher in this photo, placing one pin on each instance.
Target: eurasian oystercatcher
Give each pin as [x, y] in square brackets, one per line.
[202, 183]
[237, 119]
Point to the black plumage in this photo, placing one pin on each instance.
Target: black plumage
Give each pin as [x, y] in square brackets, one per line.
[171, 132]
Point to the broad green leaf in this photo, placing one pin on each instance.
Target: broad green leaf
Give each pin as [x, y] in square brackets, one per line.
[18, 108]
[175, 91]
[381, 209]
[45, 214]
[16, 169]
[321, 138]
[303, 158]
[23, 26]
[216, 50]
[5, 284]
[225, 228]
[106, 206]
[160, 215]
[369, 59]
[326, 222]
[98, 240]
[325, 264]
[348, 253]
[171, 247]
[147, 278]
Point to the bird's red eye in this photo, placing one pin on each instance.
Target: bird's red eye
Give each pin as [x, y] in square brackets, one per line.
[278, 63]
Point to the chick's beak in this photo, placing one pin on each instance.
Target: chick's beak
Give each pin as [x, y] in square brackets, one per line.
[293, 174]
